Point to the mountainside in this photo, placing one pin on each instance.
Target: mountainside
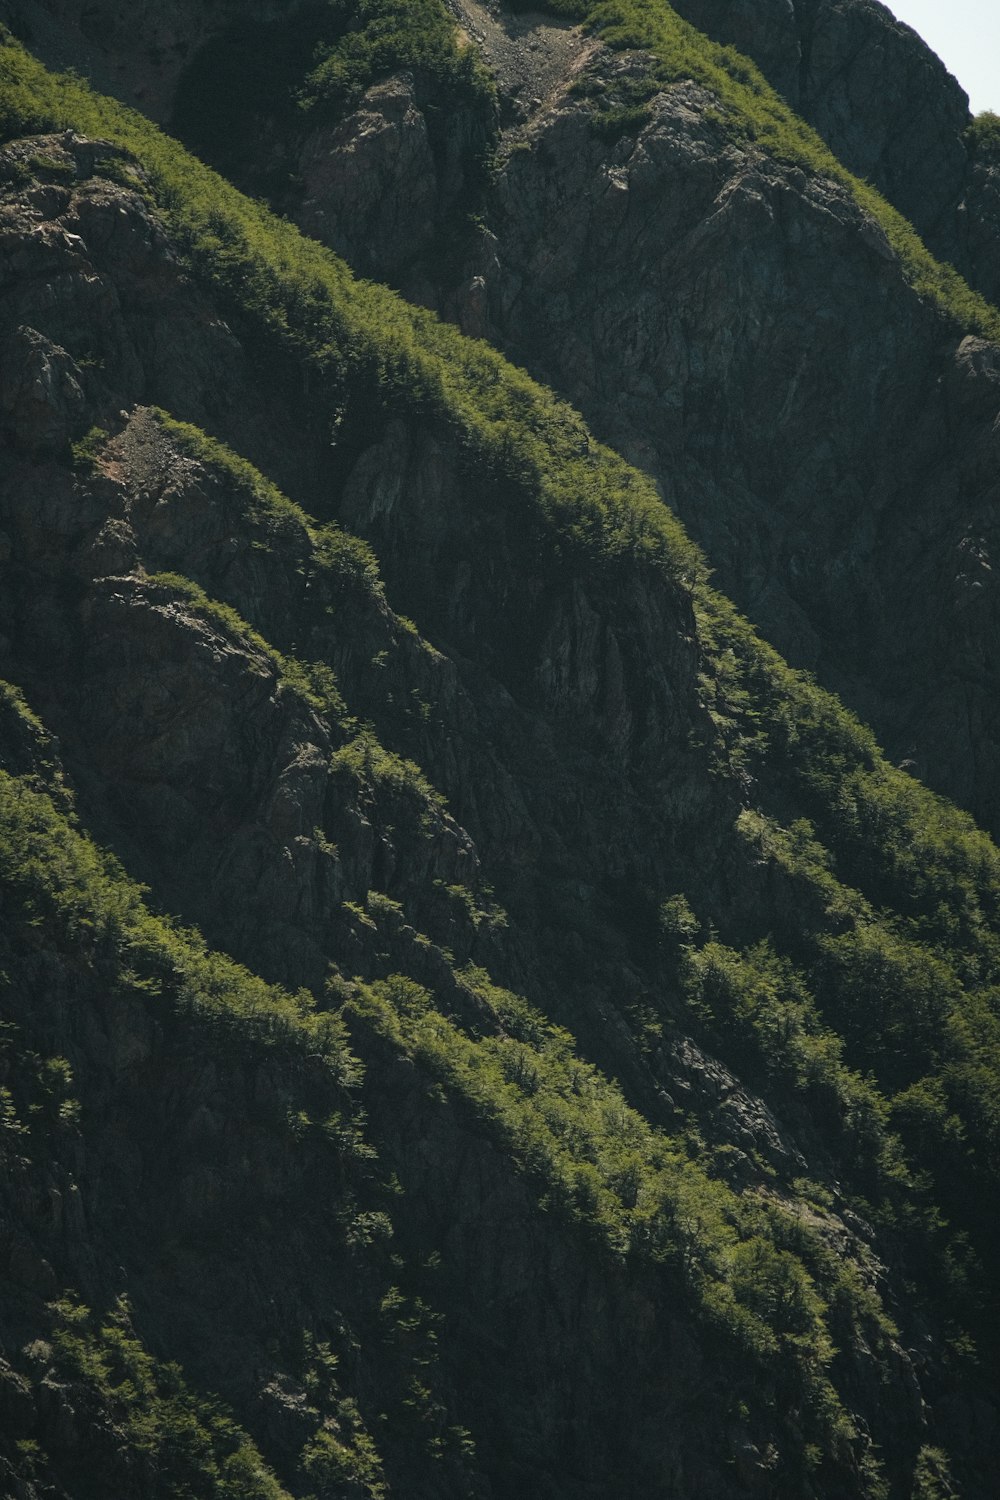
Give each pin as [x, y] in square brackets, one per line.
[657, 228]
[476, 1021]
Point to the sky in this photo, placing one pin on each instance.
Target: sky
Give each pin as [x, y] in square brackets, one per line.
[965, 34]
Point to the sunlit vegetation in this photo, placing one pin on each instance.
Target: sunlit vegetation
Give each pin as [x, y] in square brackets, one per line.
[62, 888]
[264, 501]
[332, 550]
[756, 1275]
[374, 767]
[379, 37]
[186, 1444]
[314, 682]
[888, 936]
[86, 452]
[983, 137]
[894, 841]
[865, 1010]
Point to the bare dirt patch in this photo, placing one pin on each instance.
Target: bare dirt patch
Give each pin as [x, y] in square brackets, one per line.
[533, 56]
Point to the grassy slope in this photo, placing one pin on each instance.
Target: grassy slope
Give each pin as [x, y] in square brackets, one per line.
[359, 41]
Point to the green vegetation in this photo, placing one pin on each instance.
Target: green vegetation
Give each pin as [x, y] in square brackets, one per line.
[187, 1445]
[147, 1431]
[622, 107]
[342, 558]
[37, 1099]
[105, 955]
[871, 999]
[865, 1010]
[983, 137]
[753, 1272]
[266, 79]
[373, 766]
[62, 888]
[265, 504]
[761, 1015]
[932, 1478]
[379, 37]
[87, 451]
[307, 300]
[897, 843]
[314, 682]
[893, 842]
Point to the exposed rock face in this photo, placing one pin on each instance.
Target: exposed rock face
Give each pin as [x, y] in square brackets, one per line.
[374, 177]
[513, 791]
[978, 232]
[673, 288]
[846, 498]
[564, 719]
[387, 187]
[531, 53]
[886, 105]
[40, 396]
[868, 83]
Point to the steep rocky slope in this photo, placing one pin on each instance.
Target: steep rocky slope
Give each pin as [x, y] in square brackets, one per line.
[575, 817]
[885, 104]
[649, 261]
[843, 498]
[745, 332]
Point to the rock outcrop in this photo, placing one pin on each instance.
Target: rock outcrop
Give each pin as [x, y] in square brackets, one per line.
[692, 297]
[846, 499]
[615, 1108]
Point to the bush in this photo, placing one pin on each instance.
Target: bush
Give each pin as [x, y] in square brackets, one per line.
[982, 138]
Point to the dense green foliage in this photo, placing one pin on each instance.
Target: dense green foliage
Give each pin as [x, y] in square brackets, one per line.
[983, 137]
[764, 1283]
[891, 960]
[60, 885]
[929, 858]
[148, 1431]
[379, 37]
[757, 1276]
[187, 1446]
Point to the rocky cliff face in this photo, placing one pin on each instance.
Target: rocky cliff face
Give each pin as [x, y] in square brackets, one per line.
[631, 1126]
[884, 102]
[138, 52]
[869, 85]
[697, 300]
[845, 497]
